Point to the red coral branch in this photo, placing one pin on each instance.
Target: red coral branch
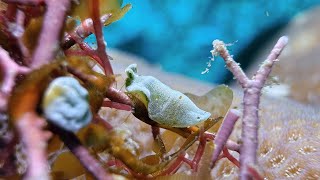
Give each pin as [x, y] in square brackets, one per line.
[118, 96]
[230, 157]
[252, 91]
[200, 150]
[116, 105]
[99, 37]
[82, 31]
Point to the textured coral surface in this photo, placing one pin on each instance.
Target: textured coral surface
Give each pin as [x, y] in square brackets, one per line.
[289, 142]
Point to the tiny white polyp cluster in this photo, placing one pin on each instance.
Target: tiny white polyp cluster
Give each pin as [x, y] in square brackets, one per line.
[65, 104]
[165, 105]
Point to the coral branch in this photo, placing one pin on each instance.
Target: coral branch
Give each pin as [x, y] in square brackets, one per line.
[99, 37]
[175, 165]
[25, 2]
[220, 48]
[224, 133]
[251, 99]
[116, 105]
[82, 31]
[34, 139]
[48, 41]
[266, 67]
[10, 71]
[118, 96]
[18, 33]
[230, 157]
[254, 173]
[98, 120]
[231, 145]
[91, 164]
[200, 151]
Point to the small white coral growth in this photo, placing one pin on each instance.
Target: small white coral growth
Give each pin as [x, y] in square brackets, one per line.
[65, 104]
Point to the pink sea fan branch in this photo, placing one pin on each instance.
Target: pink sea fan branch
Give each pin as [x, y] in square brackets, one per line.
[224, 133]
[252, 91]
[48, 41]
[34, 138]
[10, 70]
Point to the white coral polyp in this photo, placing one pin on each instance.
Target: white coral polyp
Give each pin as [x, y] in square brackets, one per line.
[65, 104]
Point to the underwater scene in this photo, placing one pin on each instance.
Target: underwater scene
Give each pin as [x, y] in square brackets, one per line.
[159, 89]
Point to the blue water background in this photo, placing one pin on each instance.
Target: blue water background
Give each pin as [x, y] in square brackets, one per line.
[177, 34]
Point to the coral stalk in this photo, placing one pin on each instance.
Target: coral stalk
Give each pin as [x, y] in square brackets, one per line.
[99, 37]
[48, 41]
[34, 139]
[251, 99]
[10, 70]
[118, 96]
[224, 133]
[83, 31]
[75, 146]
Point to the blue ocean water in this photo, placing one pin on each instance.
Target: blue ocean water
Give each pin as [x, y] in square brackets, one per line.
[177, 34]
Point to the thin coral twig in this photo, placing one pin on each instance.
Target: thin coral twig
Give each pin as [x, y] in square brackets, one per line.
[120, 164]
[99, 37]
[265, 69]
[255, 174]
[118, 96]
[231, 145]
[35, 141]
[10, 70]
[48, 41]
[116, 105]
[220, 48]
[230, 157]
[86, 49]
[200, 150]
[82, 31]
[251, 99]
[224, 133]
[75, 146]
[175, 165]
[98, 119]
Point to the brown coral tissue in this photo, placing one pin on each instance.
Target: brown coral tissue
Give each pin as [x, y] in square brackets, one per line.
[65, 115]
